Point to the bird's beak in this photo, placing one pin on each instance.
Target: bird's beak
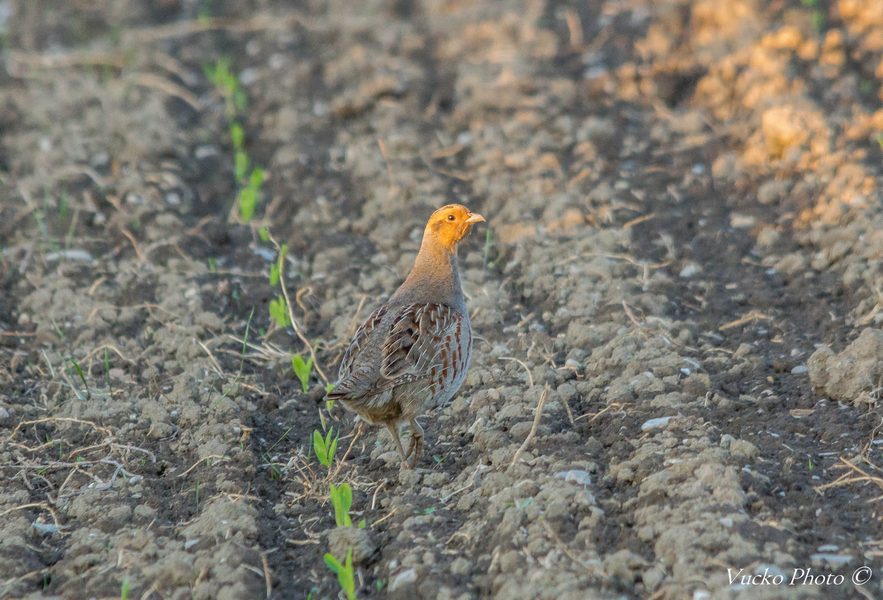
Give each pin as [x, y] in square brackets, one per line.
[475, 218]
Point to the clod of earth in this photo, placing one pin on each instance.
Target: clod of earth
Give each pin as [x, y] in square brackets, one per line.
[853, 375]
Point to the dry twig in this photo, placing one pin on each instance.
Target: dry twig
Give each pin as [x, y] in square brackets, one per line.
[533, 429]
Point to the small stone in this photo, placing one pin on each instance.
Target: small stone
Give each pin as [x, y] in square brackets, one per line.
[406, 577]
[771, 191]
[767, 236]
[656, 423]
[835, 560]
[45, 528]
[72, 254]
[800, 370]
[343, 539]
[743, 449]
[740, 221]
[99, 160]
[461, 566]
[690, 270]
[576, 476]
[697, 384]
[205, 151]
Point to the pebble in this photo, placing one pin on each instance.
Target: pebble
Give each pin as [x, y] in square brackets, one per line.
[656, 423]
[799, 370]
[45, 528]
[205, 151]
[343, 539]
[691, 270]
[73, 254]
[576, 476]
[835, 560]
[404, 578]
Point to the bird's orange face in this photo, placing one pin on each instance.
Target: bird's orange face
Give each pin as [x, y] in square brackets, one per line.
[451, 223]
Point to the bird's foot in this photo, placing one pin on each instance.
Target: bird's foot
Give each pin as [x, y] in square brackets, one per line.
[416, 444]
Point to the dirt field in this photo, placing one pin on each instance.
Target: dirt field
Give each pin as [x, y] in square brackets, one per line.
[683, 259]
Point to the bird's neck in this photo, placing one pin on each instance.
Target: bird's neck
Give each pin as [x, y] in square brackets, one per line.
[434, 277]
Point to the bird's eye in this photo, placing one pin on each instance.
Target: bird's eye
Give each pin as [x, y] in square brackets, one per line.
[451, 217]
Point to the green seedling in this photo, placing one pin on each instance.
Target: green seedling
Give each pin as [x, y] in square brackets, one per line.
[250, 195]
[816, 14]
[245, 341]
[302, 368]
[342, 500]
[124, 589]
[81, 375]
[278, 265]
[249, 180]
[488, 248]
[325, 447]
[279, 311]
[240, 165]
[346, 575]
[228, 85]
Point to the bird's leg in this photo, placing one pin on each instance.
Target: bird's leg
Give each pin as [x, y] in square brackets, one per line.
[416, 444]
[394, 432]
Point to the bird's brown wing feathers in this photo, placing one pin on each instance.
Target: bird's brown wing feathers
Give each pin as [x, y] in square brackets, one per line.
[359, 339]
[416, 338]
[352, 381]
[418, 346]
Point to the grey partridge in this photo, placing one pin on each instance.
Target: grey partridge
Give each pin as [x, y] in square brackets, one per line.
[413, 351]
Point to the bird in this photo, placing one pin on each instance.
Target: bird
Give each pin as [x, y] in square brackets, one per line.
[412, 352]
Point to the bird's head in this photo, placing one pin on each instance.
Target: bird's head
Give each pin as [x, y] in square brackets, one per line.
[450, 224]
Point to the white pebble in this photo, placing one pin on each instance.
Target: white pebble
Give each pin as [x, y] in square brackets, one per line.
[656, 423]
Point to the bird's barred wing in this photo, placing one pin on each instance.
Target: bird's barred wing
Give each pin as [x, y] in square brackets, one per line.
[349, 379]
[421, 342]
[361, 336]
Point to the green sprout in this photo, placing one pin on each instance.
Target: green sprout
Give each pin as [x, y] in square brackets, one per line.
[342, 500]
[488, 248]
[302, 368]
[279, 311]
[346, 575]
[325, 447]
[816, 15]
[249, 181]
[278, 265]
[81, 375]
